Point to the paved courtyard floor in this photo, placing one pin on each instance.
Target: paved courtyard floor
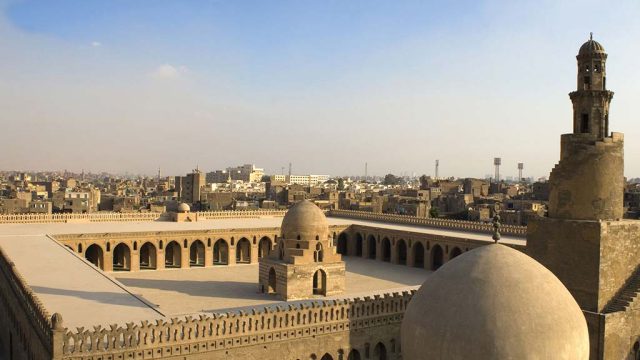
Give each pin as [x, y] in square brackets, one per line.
[185, 291]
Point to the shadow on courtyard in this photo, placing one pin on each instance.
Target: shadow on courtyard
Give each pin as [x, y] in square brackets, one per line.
[210, 288]
[111, 298]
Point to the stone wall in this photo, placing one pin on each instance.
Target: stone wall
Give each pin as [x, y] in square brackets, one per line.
[25, 325]
[461, 225]
[303, 330]
[128, 217]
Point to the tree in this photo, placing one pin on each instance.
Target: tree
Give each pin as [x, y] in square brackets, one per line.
[391, 179]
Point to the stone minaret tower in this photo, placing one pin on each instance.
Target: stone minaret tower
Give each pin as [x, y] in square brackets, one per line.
[591, 99]
[584, 241]
[588, 183]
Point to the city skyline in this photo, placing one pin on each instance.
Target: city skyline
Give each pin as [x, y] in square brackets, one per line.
[324, 86]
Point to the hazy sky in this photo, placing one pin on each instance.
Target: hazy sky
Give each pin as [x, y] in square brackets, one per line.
[125, 85]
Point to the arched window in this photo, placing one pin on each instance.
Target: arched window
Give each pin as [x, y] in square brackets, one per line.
[318, 253]
[135, 245]
[320, 283]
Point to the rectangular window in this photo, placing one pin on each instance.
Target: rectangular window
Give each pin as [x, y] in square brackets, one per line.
[584, 124]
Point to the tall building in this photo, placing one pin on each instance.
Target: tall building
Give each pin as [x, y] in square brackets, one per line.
[189, 187]
[584, 242]
[246, 173]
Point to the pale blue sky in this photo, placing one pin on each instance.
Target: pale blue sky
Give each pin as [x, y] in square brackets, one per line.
[133, 85]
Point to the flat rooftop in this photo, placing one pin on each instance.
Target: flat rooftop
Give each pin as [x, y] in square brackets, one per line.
[237, 223]
[85, 296]
[200, 290]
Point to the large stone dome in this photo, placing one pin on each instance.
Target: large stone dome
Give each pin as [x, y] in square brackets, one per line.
[496, 303]
[306, 221]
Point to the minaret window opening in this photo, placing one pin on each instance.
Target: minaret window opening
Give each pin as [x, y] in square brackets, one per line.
[584, 124]
[587, 82]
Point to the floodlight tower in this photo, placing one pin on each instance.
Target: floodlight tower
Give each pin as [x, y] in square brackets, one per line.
[520, 167]
[497, 162]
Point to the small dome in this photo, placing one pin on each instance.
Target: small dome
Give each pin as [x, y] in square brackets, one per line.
[183, 208]
[306, 220]
[494, 302]
[591, 47]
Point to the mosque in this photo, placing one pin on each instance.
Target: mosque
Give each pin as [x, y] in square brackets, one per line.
[564, 289]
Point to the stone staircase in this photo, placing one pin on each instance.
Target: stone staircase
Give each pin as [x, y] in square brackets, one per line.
[626, 296]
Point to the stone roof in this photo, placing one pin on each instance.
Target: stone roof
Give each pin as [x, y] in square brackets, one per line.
[591, 47]
[496, 303]
[305, 221]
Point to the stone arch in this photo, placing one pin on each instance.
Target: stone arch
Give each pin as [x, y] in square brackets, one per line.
[121, 257]
[401, 252]
[94, 255]
[196, 253]
[243, 251]
[418, 254]
[320, 283]
[454, 252]
[359, 242]
[371, 242]
[272, 281]
[343, 240]
[264, 247]
[220, 252]
[173, 255]
[327, 356]
[380, 352]
[437, 257]
[385, 246]
[354, 355]
[148, 256]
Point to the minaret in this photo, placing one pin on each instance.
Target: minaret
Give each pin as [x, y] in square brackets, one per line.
[591, 99]
[588, 182]
[584, 241]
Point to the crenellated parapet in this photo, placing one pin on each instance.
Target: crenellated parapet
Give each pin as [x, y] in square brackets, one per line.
[236, 329]
[462, 225]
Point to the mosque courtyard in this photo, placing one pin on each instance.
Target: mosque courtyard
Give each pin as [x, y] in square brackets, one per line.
[194, 290]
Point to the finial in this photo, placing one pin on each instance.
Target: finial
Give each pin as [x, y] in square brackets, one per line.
[591, 36]
[496, 228]
[56, 321]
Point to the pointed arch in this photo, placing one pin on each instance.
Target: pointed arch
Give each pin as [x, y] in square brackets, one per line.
[94, 255]
[196, 253]
[148, 256]
[121, 257]
[220, 252]
[173, 255]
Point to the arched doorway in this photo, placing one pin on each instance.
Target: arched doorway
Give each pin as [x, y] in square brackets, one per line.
[121, 258]
[327, 357]
[372, 247]
[264, 247]
[418, 255]
[454, 252]
[380, 352]
[220, 253]
[148, 256]
[436, 257]
[342, 243]
[359, 244]
[272, 281]
[95, 256]
[196, 253]
[243, 251]
[386, 250]
[319, 283]
[401, 252]
[318, 253]
[172, 255]
[354, 355]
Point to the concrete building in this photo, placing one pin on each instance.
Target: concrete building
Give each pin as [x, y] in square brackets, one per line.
[189, 188]
[246, 173]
